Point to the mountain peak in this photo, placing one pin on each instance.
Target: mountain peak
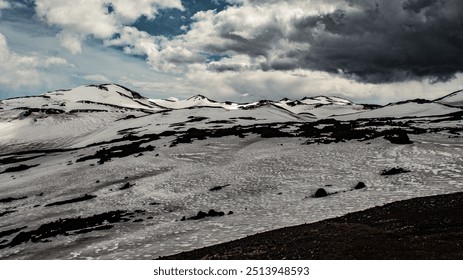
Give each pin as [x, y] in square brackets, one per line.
[326, 100]
[453, 99]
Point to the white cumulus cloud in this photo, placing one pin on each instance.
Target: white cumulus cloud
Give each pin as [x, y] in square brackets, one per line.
[23, 70]
[98, 18]
[4, 4]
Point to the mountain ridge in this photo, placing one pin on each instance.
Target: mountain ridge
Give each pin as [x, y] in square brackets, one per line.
[100, 97]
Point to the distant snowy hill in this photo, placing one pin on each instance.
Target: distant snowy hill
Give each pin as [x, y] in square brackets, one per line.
[89, 114]
[104, 97]
[454, 99]
[192, 102]
[407, 109]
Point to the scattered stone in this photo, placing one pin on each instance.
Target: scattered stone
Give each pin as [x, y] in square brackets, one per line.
[202, 215]
[218, 188]
[360, 185]
[230, 213]
[11, 199]
[73, 200]
[397, 136]
[127, 185]
[321, 192]
[138, 221]
[213, 213]
[394, 171]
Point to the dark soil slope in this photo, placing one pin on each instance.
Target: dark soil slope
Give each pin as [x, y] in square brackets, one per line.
[420, 228]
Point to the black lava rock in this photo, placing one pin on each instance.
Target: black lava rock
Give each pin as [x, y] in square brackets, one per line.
[321, 192]
[360, 185]
[394, 171]
[398, 137]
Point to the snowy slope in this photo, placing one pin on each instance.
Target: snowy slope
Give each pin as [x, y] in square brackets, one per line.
[315, 107]
[95, 97]
[193, 102]
[325, 100]
[453, 99]
[404, 109]
[90, 114]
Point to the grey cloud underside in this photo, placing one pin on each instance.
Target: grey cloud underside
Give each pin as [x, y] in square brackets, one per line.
[369, 41]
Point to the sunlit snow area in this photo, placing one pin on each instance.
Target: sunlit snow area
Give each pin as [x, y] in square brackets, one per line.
[124, 177]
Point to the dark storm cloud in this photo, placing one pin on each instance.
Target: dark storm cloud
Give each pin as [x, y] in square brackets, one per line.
[258, 45]
[387, 41]
[369, 41]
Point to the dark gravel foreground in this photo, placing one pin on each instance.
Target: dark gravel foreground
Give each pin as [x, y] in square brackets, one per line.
[419, 228]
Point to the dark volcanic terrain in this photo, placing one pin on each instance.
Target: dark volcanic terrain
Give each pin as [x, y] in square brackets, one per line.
[419, 228]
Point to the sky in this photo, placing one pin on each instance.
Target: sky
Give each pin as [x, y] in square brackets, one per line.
[369, 51]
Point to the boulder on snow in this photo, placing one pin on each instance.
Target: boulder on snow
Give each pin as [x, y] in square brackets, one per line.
[202, 215]
[394, 171]
[397, 136]
[360, 185]
[321, 192]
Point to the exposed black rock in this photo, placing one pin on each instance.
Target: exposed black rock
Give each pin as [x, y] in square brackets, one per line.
[9, 160]
[394, 171]
[68, 227]
[6, 213]
[126, 186]
[192, 119]
[202, 215]
[321, 192]
[11, 199]
[106, 154]
[397, 136]
[73, 200]
[218, 188]
[221, 122]
[75, 111]
[230, 213]
[10, 232]
[360, 185]
[213, 213]
[29, 111]
[102, 86]
[19, 168]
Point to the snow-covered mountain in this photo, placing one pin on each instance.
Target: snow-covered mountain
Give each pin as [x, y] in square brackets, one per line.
[454, 99]
[105, 97]
[405, 109]
[102, 172]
